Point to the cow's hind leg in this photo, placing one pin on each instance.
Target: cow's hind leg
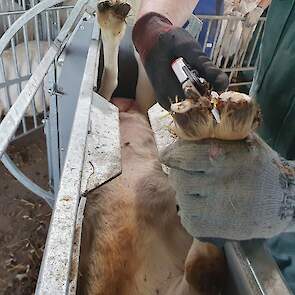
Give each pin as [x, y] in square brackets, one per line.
[205, 268]
[111, 16]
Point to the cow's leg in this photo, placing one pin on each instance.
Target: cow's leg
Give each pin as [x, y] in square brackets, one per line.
[205, 268]
[145, 96]
[205, 272]
[111, 17]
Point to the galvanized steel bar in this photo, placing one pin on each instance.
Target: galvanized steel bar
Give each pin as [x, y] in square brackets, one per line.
[76, 248]
[238, 69]
[27, 133]
[222, 17]
[240, 84]
[67, 12]
[16, 12]
[26, 40]
[13, 81]
[215, 38]
[14, 18]
[25, 33]
[47, 132]
[1, 18]
[10, 122]
[207, 35]
[20, 22]
[58, 20]
[15, 64]
[5, 24]
[37, 38]
[56, 263]
[25, 29]
[48, 32]
[48, 197]
[16, 71]
[7, 95]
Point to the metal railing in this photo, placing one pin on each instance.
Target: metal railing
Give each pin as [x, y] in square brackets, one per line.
[59, 245]
[54, 275]
[24, 50]
[232, 46]
[42, 73]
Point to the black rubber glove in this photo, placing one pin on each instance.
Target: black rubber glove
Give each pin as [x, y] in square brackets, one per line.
[159, 43]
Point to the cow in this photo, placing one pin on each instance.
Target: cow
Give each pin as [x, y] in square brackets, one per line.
[132, 238]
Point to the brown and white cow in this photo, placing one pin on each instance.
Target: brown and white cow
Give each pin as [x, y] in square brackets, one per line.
[132, 240]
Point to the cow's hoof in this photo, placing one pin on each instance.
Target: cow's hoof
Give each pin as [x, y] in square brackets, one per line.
[238, 116]
[118, 8]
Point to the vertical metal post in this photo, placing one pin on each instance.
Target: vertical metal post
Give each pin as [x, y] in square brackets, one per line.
[215, 38]
[16, 71]
[3, 75]
[207, 35]
[48, 28]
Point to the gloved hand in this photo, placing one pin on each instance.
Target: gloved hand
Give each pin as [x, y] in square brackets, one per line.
[231, 190]
[253, 16]
[159, 43]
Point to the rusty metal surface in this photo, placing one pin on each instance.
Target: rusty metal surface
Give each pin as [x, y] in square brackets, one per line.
[103, 151]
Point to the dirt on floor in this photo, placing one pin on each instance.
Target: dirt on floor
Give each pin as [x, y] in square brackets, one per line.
[24, 218]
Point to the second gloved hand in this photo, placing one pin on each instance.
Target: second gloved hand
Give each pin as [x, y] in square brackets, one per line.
[159, 43]
[233, 190]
